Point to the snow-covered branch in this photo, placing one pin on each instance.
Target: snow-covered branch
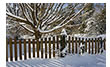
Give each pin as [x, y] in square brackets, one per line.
[16, 17]
[26, 28]
[29, 7]
[25, 14]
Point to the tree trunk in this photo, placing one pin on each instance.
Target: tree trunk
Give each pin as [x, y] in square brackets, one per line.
[37, 36]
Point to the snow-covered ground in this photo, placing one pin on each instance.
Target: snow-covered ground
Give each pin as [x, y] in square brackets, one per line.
[85, 60]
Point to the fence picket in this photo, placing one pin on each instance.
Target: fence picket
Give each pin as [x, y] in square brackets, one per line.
[6, 49]
[86, 45]
[20, 49]
[33, 43]
[72, 44]
[53, 46]
[83, 45]
[76, 45]
[98, 46]
[58, 44]
[79, 47]
[45, 47]
[37, 48]
[92, 45]
[15, 44]
[104, 44]
[25, 52]
[95, 45]
[29, 48]
[89, 46]
[69, 45]
[41, 48]
[11, 49]
[50, 47]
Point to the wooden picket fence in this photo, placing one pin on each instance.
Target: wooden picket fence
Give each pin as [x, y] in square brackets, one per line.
[48, 47]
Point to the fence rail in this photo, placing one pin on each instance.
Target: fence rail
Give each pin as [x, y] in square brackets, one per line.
[50, 47]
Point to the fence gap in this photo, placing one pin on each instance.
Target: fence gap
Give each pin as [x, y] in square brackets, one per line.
[6, 49]
[73, 45]
[25, 52]
[29, 48]
[11, 49]
[50, 47]
[41, 47]
[53, 46]
[20, 49]
[33, 43]
[45, 47]
[37, 48]
[15, 46]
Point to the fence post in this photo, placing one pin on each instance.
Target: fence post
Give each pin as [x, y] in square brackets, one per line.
[20, 49]
[11, 49]
[50, 47]
[6, 49]
[37, 48]
[41, 47]
[72, 44]
[53, 46]
[63, 42]
[76, 45]
[25, 52]
[33, 43]
[45, 47]
[29, 47]
[15, 44]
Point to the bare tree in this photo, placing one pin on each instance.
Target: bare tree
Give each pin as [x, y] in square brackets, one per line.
[42, 18]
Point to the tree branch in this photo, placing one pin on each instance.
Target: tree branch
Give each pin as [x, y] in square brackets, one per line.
[62, 25]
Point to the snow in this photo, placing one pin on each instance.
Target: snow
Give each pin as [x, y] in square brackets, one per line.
[69, 61]
[63, 32]
[102, 35]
